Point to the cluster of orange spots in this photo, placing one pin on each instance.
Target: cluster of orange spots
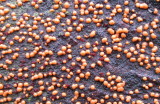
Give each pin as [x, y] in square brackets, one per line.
[35, 52]
[38, 35]
[3, 46]
[147, 86]
[113, 82]
[35, 4]
[49, 38]
[142, 5]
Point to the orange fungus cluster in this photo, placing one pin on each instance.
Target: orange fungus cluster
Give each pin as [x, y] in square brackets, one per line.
[80, 51]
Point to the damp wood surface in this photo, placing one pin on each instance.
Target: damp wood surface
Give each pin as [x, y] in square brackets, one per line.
[79, 51]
